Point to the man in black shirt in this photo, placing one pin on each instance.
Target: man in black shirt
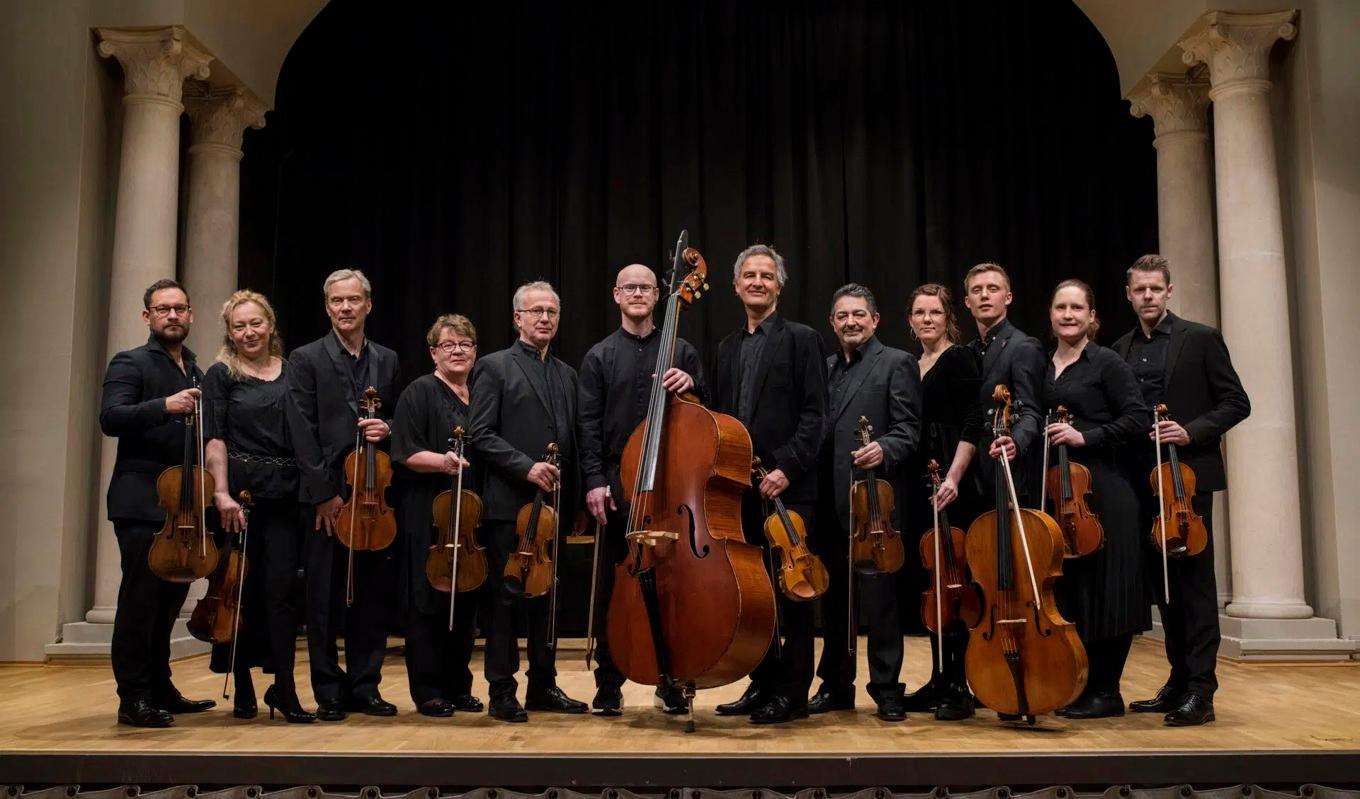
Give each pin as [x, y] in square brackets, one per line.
[1186, 366]
[149, 392]
[771, 374]
[616, 385]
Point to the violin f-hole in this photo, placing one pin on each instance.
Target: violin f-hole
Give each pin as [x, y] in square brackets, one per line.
[693, 533]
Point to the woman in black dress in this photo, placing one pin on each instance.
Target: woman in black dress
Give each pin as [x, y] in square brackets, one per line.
[247, 449]
[428, 411]
[950, 420]
[1102, 593]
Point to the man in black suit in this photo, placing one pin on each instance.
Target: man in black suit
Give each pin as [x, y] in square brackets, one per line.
[149, 392]
[771, 374]
[1012, 358]
[523, 399]
[883, 385]
[1186, 366]
[326, 380]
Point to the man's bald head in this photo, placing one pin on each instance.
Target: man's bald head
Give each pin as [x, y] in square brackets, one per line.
[636, 292]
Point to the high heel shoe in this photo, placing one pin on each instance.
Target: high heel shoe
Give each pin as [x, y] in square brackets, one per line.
[292, 711]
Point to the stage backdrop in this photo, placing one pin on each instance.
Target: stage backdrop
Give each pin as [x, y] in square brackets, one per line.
[455, 154]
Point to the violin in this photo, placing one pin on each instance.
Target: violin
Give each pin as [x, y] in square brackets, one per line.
[951, 595]
[217, 617]
[365, 523]
[1069, 484]
[456, 563]
[183, 551]
[1023, 658]
[1178, 531]
[874, 545]
[802, 575]
[692, 603]
[530, 569]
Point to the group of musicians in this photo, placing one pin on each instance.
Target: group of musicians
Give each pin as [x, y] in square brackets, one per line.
[282, 428]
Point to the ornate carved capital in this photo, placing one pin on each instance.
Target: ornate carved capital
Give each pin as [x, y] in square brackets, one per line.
[1237, 46]
[220, 118]
[1176, 103]
[155, 61]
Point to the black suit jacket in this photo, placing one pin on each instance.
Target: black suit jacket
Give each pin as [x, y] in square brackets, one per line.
[150, 439]
[886, 388]
[511, 423]
[1203, 394]
[790, 405]
[1017, 360]
[322, 410]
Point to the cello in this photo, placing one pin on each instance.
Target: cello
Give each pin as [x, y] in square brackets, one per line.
[365, 522]
[692, 602]
[456, 563]
[1178, 532]
[1069, 484]
[951, 595]
[217, 616]
[530, 569]
[183, 551]
[874, 545]
[802, 575]
[1023, 659]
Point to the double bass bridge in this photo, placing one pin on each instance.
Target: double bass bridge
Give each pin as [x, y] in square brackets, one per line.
[652, 537]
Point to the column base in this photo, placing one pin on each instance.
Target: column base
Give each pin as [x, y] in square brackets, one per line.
[1311, 640]
[86, 643]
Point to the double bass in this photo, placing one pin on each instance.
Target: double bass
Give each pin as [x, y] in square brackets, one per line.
[217, 616]
[802, 575]
[1024, 659]
[183, 550]
[1069, 484]
[874, 545]
[692, 602]
[365, 523]
[530, 568]
[1177, 532]
[456, 562]
[951, 596]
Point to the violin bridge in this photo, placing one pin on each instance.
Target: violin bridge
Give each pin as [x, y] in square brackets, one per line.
[652, 537]
[1013, 621]
[953, 585]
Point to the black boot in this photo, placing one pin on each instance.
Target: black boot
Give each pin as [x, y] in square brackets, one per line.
[955, 700]
[927, 697]
[243, 704]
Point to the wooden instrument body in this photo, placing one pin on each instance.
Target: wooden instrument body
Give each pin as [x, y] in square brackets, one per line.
[182, 552]
[716, 604]
[874, 544]
[802, 575]
[472, 566]
[1184, 527]
[530, 563]
[962, 599]
[367, 514]
[1080, 528]
[214, 617]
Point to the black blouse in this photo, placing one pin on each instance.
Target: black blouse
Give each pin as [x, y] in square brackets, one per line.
[424, 420]
[951, 410]
[1102, 395]
[247, 414]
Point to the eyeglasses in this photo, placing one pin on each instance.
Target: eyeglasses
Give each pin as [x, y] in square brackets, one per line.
[636, 288]
[535, 313]
[448, 347]
[164, 310]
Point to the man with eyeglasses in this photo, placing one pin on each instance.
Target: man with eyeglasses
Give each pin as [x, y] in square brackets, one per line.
[326, 380]
[616, 384]
[523, 398]
[149, 391]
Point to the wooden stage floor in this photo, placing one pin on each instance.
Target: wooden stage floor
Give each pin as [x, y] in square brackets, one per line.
[1276, 724]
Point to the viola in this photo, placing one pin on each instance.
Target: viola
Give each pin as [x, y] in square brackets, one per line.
[183, 550]
[217, 618]
[529, 568]
[456, 562]
[365, 523]
[951, 596]
[1178, 531]
[692, 603]
[874, 545]
[802, 575]
[1069, 484]
[1023, 657]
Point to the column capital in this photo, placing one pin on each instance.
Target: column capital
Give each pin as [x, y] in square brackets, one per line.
[155, 60]
[1236, 47]
[219, 118]
[1176, 103]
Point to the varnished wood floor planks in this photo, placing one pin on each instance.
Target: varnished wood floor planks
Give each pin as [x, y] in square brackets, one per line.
[71, 709]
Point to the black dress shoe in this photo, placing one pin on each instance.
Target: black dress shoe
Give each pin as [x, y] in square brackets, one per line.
[372, 706]
[553, 700]
[437, 707]
[923, 699]
[829, 699]
[242, 710]
[1094, 705]
[608, 701]
[177, 704]
[1168, 698]
[1194, 710]
[141, 713]
[467, 703]
[243, 705]
[955, 704]
[289, 706]
[331, 710]
[507, 708]
[670, 699]
[752, 700]
[779, 710]
[892, 708]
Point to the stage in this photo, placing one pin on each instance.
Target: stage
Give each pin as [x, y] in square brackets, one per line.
[1283, 725]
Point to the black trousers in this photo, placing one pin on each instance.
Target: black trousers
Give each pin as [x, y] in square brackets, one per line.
[364, 624]
[877, 603]
[437, 659]
[147, 609]
[1191, 619]
[502, 644]
[787, 667]
[614, 547]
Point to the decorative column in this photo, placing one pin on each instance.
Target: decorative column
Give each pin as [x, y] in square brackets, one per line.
[212, 230]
